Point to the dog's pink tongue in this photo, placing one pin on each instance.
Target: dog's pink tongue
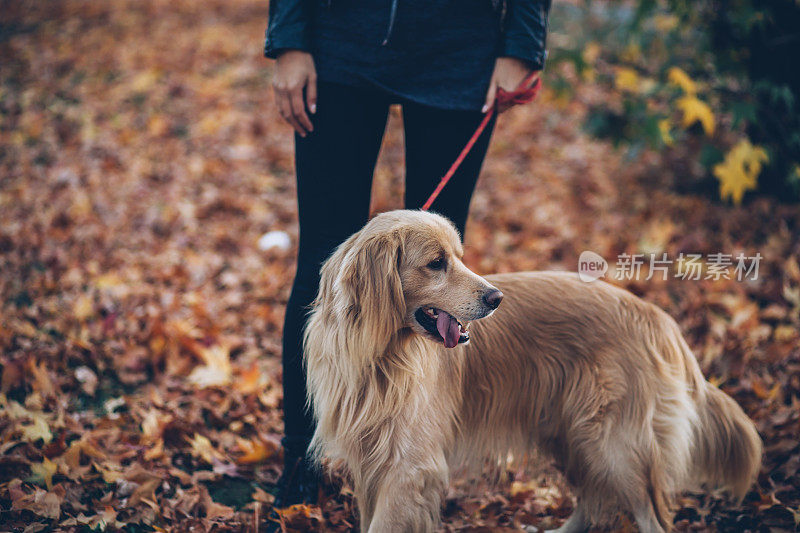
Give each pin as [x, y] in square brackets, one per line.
[448, 329]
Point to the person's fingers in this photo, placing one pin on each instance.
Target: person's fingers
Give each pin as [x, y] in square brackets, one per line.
[311, 94]
[285, 110]
[491, 94]
[299, 110]
[524, 84]
[501, 107]
[296, 125]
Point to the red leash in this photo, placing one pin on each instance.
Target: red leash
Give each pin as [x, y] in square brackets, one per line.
[522, 95]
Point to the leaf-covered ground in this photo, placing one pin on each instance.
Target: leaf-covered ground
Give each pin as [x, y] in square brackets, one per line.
[140, 163]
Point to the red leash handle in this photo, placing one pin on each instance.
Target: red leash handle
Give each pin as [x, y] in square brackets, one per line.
[521, 95]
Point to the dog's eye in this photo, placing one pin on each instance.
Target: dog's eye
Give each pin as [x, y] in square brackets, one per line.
[437, 264]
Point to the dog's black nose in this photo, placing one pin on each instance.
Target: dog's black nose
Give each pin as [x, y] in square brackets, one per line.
[493, 298]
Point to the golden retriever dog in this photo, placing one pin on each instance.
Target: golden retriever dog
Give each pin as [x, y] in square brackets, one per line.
[414, 368]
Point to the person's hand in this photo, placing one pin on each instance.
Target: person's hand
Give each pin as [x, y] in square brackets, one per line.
[508, 74]
[294, 74]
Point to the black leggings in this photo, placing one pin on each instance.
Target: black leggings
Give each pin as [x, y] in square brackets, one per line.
[335, 164]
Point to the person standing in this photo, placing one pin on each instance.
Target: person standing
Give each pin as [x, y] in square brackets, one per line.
[340, 65]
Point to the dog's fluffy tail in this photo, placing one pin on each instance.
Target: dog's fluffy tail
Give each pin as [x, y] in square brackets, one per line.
[727, 445]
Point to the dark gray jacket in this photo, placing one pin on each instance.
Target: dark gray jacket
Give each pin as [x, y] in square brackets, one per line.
[524, 27]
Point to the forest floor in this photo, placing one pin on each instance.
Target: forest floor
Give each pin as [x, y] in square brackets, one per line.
[141, 161]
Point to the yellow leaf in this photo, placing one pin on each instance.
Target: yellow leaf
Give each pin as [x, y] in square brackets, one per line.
[153, 424]
[664, 130]
[784, 333]
[44, 471]
[591, 52]
[739, 171]
[112, 283]
[109, 474]
[626, 79]
[202, 447]
[81, 206]
[632, 53]
[144, 81]
[519, 487]
[217, 370]
[38, 430]
[665, 23]
[677, 76]
[83, 307]
[695, 110]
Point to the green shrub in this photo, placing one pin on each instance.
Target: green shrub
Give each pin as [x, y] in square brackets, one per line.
[721, 78]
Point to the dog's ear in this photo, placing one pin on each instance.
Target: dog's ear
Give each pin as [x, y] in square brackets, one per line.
[330, 274]
[370, 278]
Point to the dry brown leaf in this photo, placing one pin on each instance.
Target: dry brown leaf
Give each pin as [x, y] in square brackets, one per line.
[217, 370]
[202, 448]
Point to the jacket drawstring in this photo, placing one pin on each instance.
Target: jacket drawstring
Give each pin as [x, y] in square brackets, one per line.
[390, 29]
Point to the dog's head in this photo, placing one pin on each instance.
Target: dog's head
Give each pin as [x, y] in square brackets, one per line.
[403, 271]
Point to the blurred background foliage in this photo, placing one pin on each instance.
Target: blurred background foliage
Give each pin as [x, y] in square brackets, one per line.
[715, 83]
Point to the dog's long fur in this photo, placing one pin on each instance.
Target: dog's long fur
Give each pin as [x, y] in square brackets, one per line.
[586, 372]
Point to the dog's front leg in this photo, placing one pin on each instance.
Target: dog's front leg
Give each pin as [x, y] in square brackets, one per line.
[408, 499]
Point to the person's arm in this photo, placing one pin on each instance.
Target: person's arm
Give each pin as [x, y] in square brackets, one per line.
[523, 48]
[287, 28]
[294, 79]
